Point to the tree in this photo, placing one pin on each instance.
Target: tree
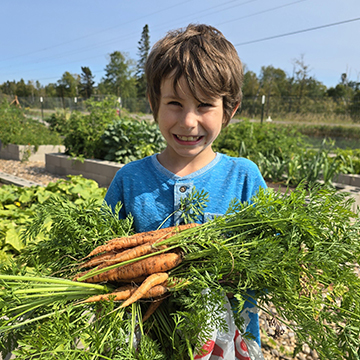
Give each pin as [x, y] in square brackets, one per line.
[22, 89]
[301, 71]
[251, 84]
[354, 107]
[67, 86]
[9, 88]
[251, 88]
[119, 79]
[51, 90]
[39, 88]
[86, 85]
[144, 48]
[273, 83]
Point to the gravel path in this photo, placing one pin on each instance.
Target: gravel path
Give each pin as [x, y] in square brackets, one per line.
[273, 348]
[29, 170]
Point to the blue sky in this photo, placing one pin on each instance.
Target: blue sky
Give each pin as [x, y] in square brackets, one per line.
[42, 39]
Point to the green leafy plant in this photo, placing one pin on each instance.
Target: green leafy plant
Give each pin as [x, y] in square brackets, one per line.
[286, 157]
[129, 139]
[58, 121]
[297, 251]
[83, 132]
[247, 139]
[17, 128]
[312, 166]
[349, 160]
[19, 204]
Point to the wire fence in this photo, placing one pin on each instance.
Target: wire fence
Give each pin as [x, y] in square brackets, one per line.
[71, 104]
[252, 107]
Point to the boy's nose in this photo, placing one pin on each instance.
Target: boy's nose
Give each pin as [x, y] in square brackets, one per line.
[189, 119]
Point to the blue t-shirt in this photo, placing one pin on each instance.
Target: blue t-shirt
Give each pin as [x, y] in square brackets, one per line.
[151, 193]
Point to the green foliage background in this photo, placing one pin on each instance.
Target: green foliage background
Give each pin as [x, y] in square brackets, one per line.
[17, 128]
[285, 155]
[18, 205]
[130, 139]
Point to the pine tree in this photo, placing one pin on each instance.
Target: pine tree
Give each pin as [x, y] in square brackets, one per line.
[119, 79]
[144, 48]
[86, 83]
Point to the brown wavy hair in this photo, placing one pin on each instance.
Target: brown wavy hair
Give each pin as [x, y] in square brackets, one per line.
[205, 58]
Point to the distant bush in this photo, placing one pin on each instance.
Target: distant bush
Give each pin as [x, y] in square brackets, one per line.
[16, 128]
[350, 160]
[326, 131]
[283, 154]
[82, 132]
[129, 139]
[101, 134]
[247, 139]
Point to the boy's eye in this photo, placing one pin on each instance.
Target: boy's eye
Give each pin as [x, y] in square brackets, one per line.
[205, 105]
[174, 103]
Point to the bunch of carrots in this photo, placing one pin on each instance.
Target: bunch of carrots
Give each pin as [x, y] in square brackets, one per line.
[302, 248]
[139, 264]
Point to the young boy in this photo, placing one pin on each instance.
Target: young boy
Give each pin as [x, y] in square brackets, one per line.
[194, 78]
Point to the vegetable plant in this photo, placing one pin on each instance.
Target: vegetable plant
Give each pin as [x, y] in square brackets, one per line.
[297, 251]
[82, 132]
[129, 139]
[19, 204]
[17, 128]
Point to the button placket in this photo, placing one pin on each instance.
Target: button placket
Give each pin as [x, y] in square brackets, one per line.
[180, 191]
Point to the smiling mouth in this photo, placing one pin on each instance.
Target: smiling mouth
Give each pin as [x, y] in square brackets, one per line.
[188, 138]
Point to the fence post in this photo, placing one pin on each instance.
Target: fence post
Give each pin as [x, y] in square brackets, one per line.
[262, 108]
[120, 105]
[42, 108]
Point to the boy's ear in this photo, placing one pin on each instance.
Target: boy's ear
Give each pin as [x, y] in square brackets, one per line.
[235, 109]
[150, 103]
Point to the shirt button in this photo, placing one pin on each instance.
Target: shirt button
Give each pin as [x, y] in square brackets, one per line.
[182, 189]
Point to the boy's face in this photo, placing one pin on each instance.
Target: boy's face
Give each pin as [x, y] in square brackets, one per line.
[188, 126]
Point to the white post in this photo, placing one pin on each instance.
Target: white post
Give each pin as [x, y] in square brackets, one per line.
[262, 108]
[42, 108]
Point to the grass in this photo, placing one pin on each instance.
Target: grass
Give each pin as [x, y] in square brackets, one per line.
[328, 119]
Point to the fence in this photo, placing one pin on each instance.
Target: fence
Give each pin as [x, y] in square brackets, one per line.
[280, 107]
[47, 104]
[274, 106]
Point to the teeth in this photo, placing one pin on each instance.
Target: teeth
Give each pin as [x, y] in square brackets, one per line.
[188, 138]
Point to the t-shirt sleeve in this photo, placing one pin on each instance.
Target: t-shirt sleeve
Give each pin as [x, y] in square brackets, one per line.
[114, 194]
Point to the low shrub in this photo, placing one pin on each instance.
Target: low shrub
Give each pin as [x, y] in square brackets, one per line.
[18, 205]
[16, 128]
[83, 132]
[284, 155]
[129, 139]
[350, 160]
[247, 139]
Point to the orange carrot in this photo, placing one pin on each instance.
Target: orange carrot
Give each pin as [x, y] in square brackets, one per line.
[130, 254]
[140, 238]
[124, 292]
[149, 282]
[119, 294]
[148, 266]
[99, 259]
[152, 308]
[155, 292]
[116, 258]
[155, 234]
[140, 279]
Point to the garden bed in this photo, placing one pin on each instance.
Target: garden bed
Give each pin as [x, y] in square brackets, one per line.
[28, 152]
[99, 170]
